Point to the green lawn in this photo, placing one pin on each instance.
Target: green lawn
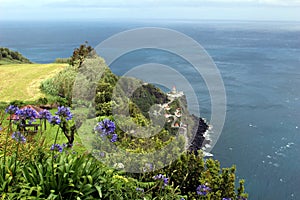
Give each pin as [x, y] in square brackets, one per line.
[22, 81]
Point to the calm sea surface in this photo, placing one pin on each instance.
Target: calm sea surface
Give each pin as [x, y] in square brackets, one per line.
[260, 66]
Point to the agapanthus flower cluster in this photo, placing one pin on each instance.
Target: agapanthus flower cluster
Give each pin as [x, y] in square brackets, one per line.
[27, 113]
[163, 178]
[202, 190]
[114, 138]
[54, 120]
[11, 109]
[58, 147]
[18, 137]
[64, 112]
[45, 114]
[107, 128]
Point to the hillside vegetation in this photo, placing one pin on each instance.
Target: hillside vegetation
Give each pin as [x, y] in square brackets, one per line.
[22, 81]
[8, 56]
[117, 131]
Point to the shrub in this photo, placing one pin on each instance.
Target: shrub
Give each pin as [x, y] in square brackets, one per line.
[62, 60]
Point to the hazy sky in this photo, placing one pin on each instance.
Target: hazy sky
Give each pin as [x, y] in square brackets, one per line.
[150, 9]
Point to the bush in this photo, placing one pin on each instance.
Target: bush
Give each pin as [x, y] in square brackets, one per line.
[190, 171]
[60, 85]
[62, 60]
[12, 55]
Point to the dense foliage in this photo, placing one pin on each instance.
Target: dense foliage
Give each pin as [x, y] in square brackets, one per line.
[177, 174]
[57, 172]
[61, 85]
[12, 56]
[80, 54]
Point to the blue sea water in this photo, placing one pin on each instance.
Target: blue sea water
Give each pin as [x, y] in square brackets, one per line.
[260, 66]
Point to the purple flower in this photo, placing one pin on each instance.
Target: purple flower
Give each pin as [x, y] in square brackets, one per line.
[17, 136]
[163, 178]
[54, 120]
[64, 112]
[45, 114]
[157, 177]
[11, 109]
[166, 181]
[114, 138]
[202, 190]
[27, 113]
[148, 167]
[226, 198]
[140, 189]
[1, 128]
[57, 147]
[105, 127]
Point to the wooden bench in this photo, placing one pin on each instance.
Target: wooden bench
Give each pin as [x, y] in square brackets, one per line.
[35, 126]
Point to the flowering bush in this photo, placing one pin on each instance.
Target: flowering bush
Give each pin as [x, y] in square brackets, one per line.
[61, 175]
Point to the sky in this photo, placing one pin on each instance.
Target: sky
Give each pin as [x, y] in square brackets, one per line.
[264, 10]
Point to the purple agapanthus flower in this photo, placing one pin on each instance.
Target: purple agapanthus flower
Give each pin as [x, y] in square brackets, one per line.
[163, 178]
[114, 138]
[57, 147]
[18, 137]
[64, 112]
[202, 190]
[27, 113]
[105, 127]
[11, 109]
[54, 120]
[45, 114]
[226, 198]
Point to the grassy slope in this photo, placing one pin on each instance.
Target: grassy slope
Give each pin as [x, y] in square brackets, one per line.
[6, 61]
[22, 81]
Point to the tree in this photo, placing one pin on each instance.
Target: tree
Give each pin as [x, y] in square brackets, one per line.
[80, 54]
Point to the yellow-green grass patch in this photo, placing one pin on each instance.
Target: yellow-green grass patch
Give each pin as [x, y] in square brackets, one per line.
[22, 81]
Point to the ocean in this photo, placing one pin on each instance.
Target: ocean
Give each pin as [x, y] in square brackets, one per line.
[260, 66]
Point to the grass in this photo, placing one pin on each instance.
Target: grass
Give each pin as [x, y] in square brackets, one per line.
[6, 61]
[22, 81]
